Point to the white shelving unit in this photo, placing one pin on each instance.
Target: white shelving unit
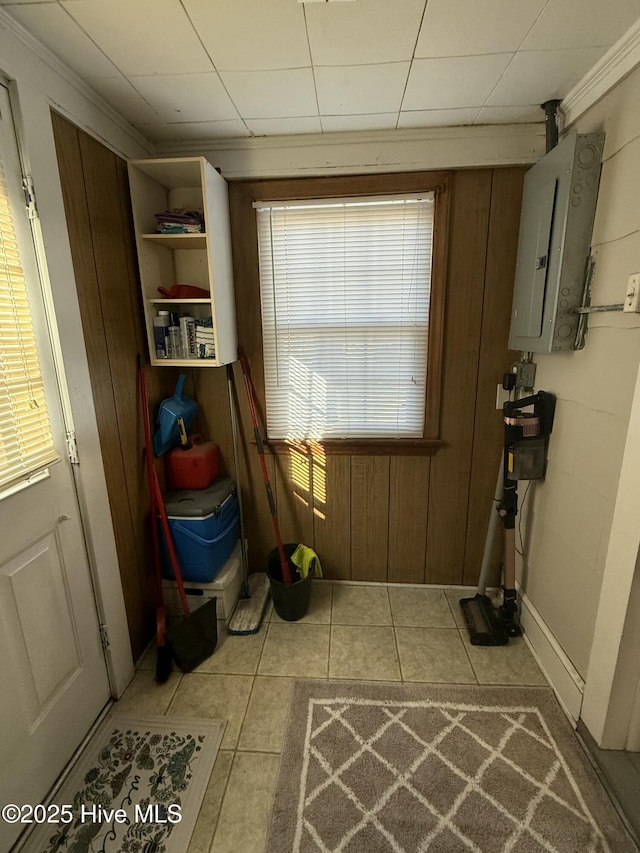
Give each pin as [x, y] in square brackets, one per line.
[201, 259]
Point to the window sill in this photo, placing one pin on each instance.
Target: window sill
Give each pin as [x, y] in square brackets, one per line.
[362, 447]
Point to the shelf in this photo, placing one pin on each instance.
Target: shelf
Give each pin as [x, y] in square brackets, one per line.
[178, 241]
[161, 301]
[183, 362]
[189, 183]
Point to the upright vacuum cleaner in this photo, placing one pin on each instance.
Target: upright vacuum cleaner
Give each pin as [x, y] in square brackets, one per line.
[526, 439]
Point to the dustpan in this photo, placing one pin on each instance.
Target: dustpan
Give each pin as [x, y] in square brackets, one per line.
[174, 412]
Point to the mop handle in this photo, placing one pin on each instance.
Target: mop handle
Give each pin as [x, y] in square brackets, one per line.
[284, 563]
[236, 465]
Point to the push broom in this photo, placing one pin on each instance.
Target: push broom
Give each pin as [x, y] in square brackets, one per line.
[256, 591]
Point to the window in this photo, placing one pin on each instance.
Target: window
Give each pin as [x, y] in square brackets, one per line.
[345, 287]
[26, 442]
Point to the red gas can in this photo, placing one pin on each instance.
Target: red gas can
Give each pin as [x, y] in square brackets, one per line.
[194, 466]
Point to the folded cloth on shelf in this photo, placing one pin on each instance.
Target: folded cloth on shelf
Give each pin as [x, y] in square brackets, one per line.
[180, 221]
[306, 561]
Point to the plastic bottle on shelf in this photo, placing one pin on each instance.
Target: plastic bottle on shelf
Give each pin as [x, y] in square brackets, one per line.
[174, 338]
[161, 333]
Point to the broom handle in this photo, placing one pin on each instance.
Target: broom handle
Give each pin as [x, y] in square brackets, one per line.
[161, 625]
[173, 557]
[284, 563]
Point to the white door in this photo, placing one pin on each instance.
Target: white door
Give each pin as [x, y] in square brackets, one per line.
[53, 676]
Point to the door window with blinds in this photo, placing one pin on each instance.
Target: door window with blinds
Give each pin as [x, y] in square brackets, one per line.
[345, 289]
[26, 441]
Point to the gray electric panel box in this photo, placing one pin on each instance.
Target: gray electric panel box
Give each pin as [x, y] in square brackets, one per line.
[558, 209]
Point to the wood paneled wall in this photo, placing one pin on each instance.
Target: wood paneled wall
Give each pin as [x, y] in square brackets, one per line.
[96, 197]
[402, 519]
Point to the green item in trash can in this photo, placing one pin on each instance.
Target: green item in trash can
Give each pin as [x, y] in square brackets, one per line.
[291, 601]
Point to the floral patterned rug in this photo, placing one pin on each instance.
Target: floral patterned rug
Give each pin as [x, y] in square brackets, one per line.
[137, 787]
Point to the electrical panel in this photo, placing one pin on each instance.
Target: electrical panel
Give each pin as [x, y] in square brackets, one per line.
[558, 209]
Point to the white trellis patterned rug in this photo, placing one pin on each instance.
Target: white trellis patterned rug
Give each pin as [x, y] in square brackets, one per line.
[376, 768]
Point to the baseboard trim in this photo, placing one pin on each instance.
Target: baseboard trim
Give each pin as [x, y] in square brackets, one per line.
[563, 677]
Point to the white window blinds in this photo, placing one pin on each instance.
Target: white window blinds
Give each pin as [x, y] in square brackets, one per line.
[26, 442]
[345, 287]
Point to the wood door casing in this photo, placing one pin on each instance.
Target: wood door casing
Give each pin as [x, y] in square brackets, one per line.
[96, 197]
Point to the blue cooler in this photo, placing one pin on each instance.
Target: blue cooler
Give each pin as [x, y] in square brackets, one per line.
[205, 525]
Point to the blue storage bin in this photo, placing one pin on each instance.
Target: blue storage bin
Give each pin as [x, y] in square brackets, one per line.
[205, 525]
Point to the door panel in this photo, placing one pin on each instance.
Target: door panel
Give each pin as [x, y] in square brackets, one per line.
[43, 630]
[52, 666]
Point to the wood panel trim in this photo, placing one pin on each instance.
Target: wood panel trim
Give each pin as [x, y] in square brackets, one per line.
[408, 517]
[494, 360]
[450, 469]
[369, 517]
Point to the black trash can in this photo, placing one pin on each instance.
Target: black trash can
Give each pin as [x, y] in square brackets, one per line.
[291, 601]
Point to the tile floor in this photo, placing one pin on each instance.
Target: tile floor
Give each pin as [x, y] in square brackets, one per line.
[351, 632]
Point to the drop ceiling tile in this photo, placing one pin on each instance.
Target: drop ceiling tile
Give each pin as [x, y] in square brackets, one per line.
[347, 90]
[371, 121]
[245, 35]
[272, 94]
[142, 37]
[437, 118]
[453, 82]
[284, 126]
[590, 23]
[537, 76]
[49, 23]
[510, 115]
[186, 97]
[125, 100]
[463, 28]
[364, 32]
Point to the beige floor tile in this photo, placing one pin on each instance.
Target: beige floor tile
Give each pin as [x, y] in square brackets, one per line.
[319, 608]
[420, 608]
[296, 650]
[453, 597]
[144, 696]
[235, 654]
[360, 605]
[223, 697]
[210, 810]
[244, 819]
[266, 718]
[363, 652]
[510, 664]
[148, 659]
[433, 654]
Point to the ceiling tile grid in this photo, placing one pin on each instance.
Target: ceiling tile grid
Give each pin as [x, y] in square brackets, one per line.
[189, 69]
